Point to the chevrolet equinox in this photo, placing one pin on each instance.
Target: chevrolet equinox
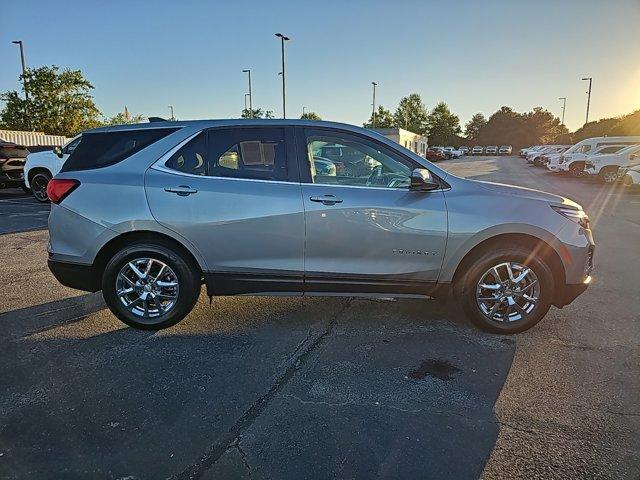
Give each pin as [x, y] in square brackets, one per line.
[147, 213]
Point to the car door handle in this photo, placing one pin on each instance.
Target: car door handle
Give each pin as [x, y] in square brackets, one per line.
[182, 190]
[326, 199]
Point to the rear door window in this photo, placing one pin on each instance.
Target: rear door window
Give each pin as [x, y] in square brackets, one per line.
[102, 149]
[250, 153]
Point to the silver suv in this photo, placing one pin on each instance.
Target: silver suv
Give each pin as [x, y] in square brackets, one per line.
[147, 213]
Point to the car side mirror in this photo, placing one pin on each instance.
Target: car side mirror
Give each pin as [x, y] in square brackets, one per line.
[58, 151]
[421, 180]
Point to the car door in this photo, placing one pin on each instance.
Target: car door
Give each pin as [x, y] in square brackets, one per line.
[234, 194]
[366, 231]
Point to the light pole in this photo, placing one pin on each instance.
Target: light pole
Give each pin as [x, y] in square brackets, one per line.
[304, 110]
[250, 95]
[172, 117]
[564, 105]
[245, 104]
[373, 104]
[588, 97]
[283, 39]
[24, 67]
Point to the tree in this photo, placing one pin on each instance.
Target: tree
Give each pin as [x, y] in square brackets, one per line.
[384, 119]
[473, 126]
[256, 113]
[412, 115]
[125, 117]
[444, 126]
[59, 103]
[310, 116]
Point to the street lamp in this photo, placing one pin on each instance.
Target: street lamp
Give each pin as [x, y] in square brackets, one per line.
[564, 105]
[283, 39]
[373, 104]
[245, 102]
[250, 95]
[588, 97]
[24, 67]
[304, 110]
[172, 117]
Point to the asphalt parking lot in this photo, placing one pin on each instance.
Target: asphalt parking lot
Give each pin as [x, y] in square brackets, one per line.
[272, 387]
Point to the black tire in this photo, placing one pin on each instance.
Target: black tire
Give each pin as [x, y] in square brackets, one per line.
[576, 169]
[466, 289]
[39, 184]
[608, 175]
[187, 272]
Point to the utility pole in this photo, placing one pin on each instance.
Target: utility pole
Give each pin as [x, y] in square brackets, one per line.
[283, 38]
[373, 112]
[250, 94]
[564, 105]
[245, 104]
[588, 98]
[172, 117]
[24, 68]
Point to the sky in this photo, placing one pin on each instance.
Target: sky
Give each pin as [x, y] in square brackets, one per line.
[474, 55]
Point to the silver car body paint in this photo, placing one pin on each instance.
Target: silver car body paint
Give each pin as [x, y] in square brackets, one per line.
[242, 225]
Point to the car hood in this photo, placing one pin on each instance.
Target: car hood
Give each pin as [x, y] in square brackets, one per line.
[36, 156]
[522, 192]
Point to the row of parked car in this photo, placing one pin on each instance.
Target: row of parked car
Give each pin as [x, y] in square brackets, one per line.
[610, 159]
[435, 154]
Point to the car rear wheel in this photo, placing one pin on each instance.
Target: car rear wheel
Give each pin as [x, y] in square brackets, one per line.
[150, 286]
[39, 184]
[507, 291]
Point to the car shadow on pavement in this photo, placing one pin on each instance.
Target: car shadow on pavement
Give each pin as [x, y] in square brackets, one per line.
[255, 387]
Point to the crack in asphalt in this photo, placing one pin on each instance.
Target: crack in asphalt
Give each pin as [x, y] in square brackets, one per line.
[243, 456]
[246, 420]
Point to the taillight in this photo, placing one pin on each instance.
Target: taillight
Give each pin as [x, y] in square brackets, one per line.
[58, 189]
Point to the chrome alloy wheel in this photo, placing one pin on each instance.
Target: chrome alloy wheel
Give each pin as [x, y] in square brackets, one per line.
[610, 176]
[508, 292]
[147, 287]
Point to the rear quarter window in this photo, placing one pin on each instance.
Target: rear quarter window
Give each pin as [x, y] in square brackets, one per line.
[102, 149]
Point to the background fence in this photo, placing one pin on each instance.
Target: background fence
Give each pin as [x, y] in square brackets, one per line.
[32, 139]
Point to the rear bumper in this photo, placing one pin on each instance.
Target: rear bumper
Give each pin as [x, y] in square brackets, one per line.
[75, 275]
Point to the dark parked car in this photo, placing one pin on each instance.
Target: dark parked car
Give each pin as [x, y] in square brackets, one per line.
[12, 160]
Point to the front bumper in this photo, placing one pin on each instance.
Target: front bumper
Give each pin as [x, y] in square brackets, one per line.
[570, 292]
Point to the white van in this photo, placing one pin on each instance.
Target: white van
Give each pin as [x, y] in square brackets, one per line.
[606, 166]
[573, 159]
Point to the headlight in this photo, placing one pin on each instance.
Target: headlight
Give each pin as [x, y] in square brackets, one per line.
[578, 216]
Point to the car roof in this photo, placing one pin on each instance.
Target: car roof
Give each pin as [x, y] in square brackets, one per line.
[231, 122]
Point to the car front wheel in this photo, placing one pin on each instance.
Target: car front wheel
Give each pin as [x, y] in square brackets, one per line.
[609, 175]
[507, 291]
[150, 286]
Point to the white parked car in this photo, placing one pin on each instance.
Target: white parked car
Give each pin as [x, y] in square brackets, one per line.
[525, 151]
[551, 161]
[477, 150]
[464, 150]
[491, 150]
[630, 176]
[573, 160]
[606, 165]
[453, 152]
[535, 156]
[505, 150]
[43, 166]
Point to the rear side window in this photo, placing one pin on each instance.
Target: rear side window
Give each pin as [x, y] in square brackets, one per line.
[97, 150]
[191, 158]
